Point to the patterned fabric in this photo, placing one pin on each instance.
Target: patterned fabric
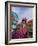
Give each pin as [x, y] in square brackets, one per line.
[22, 33]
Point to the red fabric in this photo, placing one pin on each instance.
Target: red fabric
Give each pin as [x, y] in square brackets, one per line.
[22, 33]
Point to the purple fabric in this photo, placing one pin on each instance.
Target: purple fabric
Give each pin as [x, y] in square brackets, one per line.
[22, 33]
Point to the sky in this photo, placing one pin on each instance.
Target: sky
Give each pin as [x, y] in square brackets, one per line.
[22, 12]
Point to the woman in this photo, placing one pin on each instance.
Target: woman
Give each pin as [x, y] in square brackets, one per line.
[22, 32]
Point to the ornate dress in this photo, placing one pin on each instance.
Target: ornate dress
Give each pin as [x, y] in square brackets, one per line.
[20, 33]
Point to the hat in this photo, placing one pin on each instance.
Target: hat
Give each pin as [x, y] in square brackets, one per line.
[24, 19]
